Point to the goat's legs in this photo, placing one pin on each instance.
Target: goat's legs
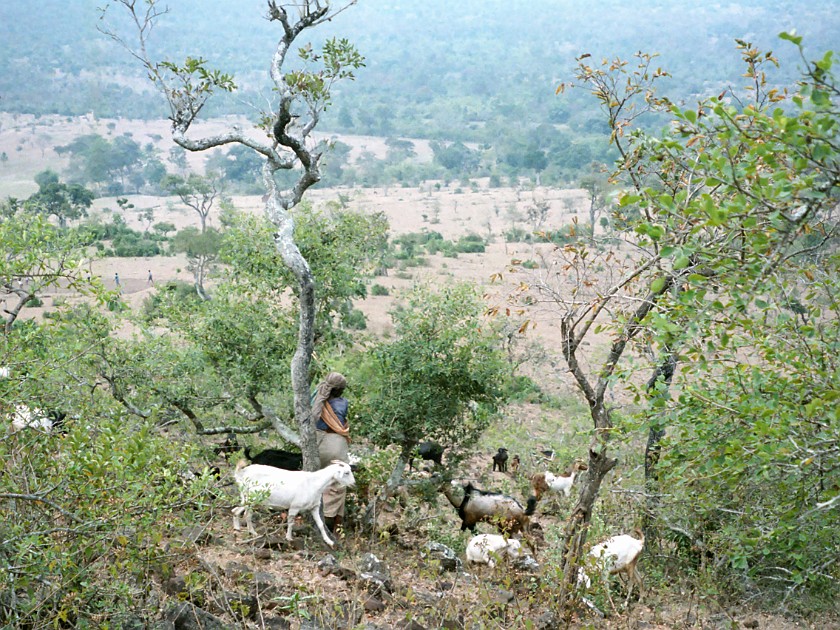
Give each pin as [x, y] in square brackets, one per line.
[248, 520]
[291, 515]
[237, 524]
[316, 515]
[606, 581]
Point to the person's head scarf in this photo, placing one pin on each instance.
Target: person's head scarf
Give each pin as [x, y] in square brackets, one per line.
[333, 381]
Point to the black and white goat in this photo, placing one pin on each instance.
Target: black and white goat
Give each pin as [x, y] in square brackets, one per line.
[490, 507]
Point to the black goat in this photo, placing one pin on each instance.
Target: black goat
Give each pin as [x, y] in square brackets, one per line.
[431, 451]
[500, 460]
[276, 457]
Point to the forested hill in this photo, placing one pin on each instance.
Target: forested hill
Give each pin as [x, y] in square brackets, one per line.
[482, 71]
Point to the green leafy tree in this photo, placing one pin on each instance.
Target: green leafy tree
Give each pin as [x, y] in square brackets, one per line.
[225, 367]
[85, 512]
[202, 250]
[302, 96]
[720, 207]
[37, 256]
[444, 357]
[195, 191]
[66, 202]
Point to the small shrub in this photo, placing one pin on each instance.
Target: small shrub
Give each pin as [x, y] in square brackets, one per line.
[355, 320]
[379, 290]
[518, 235]
[470, 244]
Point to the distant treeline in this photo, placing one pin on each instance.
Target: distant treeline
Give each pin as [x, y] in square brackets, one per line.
[480, 72]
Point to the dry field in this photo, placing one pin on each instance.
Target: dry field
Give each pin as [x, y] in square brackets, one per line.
[451, 209]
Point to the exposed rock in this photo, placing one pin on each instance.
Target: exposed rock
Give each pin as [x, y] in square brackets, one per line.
[263, 554]
[175, 585]
[275, 542]
[178, 588]
[372, 604]
[327, 565]
[371, 564]
[449, 560]
[412, 625]
[377, 582]
[751, 623]
[235, 569]
[245, 605]
[277, 623]
[453, 623]
[263, 584]
[526, 563]
[186, 616]
[503, 597]
[196, 535]
[547, 621]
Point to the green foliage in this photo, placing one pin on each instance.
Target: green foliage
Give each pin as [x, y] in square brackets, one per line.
[338, 59]
[343, 248]
[418, 385]
[354, 319]
[195, 243]
[772, 446]
[63, 201]
[727, 199]
[124, 241]
[470, 244]
[88, 515]
[111, 166]
[379, 290]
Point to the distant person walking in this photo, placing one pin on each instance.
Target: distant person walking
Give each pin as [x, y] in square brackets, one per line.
[150, 280]
[117, 280]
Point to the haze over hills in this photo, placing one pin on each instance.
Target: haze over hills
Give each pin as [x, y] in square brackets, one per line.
[453, 71]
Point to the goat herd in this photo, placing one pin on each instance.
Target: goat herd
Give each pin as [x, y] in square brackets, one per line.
[274, 479]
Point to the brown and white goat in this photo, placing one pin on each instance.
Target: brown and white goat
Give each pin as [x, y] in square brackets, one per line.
[549, 482]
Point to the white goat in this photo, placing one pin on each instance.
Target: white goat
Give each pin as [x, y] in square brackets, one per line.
[293, 490]
[25, 418]
[486, 548]
[618, 554]
[547, 481]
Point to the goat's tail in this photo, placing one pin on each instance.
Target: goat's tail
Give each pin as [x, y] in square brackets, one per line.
[531, 506]
[247, 453]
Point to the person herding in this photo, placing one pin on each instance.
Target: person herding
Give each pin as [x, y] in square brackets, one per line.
[329, 412]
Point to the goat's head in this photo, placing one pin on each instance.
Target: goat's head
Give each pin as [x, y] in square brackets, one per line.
[343, 474]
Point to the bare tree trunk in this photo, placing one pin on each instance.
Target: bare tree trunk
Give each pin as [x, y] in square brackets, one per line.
[394, 481]
[656, 431]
